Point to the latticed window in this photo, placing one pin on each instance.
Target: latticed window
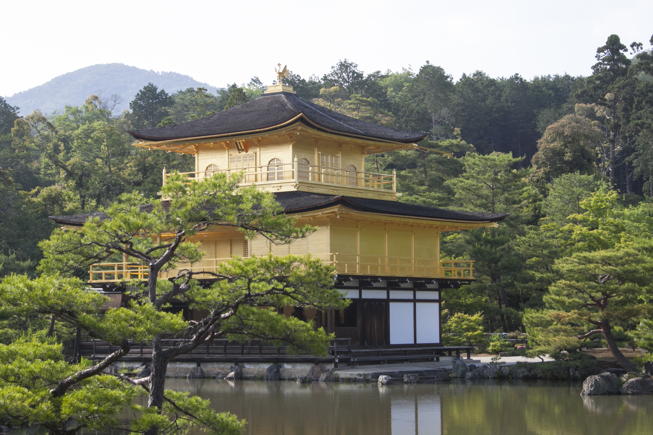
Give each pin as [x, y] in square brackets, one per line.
[351, 176]
[275, 170]
[211, 170]
[242, 160]
[245, 163]
[303, 169]
[329, 165]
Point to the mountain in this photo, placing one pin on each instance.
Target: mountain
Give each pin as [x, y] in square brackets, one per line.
[115, 83]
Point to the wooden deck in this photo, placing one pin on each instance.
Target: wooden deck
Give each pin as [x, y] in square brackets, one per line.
[366, 265]
[340, 353]
[275, 176]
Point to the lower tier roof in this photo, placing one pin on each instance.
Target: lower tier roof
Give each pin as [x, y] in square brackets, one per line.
[298, 202]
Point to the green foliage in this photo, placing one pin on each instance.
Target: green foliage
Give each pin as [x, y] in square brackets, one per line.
[565, 194]
[23, 297]
[31, 367]
[490, 183]
[139, 322]
[149, 107]
[422, 173]
[464, 329]
[551, 332]
[233, 96]
[498, 345]
[569, 144]
[183, 413]
[599, 292]
[643, 334]
[190, 104]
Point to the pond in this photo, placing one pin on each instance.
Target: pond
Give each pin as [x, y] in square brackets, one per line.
[288, 408]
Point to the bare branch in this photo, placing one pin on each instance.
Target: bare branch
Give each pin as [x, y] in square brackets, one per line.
[590, 334]
[64, 385]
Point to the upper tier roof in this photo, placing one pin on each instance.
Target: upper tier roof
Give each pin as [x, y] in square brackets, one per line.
[273, 111]
[298, 202]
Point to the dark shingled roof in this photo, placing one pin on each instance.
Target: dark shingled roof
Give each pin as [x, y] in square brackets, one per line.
[268, 112]
[297, 202]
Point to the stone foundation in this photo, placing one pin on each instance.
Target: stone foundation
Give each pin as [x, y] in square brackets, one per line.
[209, 370]
[430, 372]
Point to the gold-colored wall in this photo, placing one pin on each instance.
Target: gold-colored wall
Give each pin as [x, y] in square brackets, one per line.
[316, 243]
[363, 248]
[285, 150]
[391, 249]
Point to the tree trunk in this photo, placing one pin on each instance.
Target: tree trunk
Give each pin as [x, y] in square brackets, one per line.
[151, 283]
[157, 379]
[50, 332]
[614, 349]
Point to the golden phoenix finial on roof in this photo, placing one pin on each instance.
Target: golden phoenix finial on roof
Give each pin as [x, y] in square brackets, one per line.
[282, 73]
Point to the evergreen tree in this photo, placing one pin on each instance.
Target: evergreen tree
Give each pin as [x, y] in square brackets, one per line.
[149, 107]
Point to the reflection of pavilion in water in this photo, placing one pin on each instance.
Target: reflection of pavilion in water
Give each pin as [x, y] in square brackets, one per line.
[274, 408]
[419, 415]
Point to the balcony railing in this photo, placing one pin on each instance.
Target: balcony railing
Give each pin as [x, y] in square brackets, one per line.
[297, 173]
[457, 269]
[345, 264]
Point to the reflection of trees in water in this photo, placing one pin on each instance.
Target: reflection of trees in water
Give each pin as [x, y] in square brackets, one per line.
[457, 408]
[540, 408]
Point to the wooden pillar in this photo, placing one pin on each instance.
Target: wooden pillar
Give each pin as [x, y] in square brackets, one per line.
[295, 168]
[438, 268]
[413, 260]
[387, 253]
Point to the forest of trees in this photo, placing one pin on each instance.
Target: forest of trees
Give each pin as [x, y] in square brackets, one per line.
[570, 159]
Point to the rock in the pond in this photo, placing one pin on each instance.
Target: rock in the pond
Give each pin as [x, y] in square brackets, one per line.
[384, 380]
[328, 376]
[459, 369]
[616, 371]
[640, 385]
[273, 372]
[314, 372]
[303, 380]
[411, 378]
[235, 374]
[604, 383]
[648, 368]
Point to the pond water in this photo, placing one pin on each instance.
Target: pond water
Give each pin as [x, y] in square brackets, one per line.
[288, 408]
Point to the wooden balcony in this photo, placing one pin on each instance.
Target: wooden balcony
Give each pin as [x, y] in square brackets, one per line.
[293, 176]
[344, 264]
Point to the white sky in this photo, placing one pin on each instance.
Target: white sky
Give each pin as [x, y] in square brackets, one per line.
[221, 42]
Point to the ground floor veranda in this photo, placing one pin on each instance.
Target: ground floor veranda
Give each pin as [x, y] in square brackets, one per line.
[401, 315]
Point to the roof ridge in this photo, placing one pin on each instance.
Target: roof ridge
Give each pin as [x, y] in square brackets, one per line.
[289, 104]
[321, 110]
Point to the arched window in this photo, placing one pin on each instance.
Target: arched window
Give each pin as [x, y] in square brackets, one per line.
[210, 170]
[303, 169]
[351, 175]
[275, 170]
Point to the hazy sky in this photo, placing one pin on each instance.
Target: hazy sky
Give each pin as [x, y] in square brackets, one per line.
[221, 42]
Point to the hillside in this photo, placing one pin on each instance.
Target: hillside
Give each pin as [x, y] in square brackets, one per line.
[115, 83]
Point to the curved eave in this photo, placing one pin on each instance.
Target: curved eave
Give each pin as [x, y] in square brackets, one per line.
[444, 224]
[185, 144]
